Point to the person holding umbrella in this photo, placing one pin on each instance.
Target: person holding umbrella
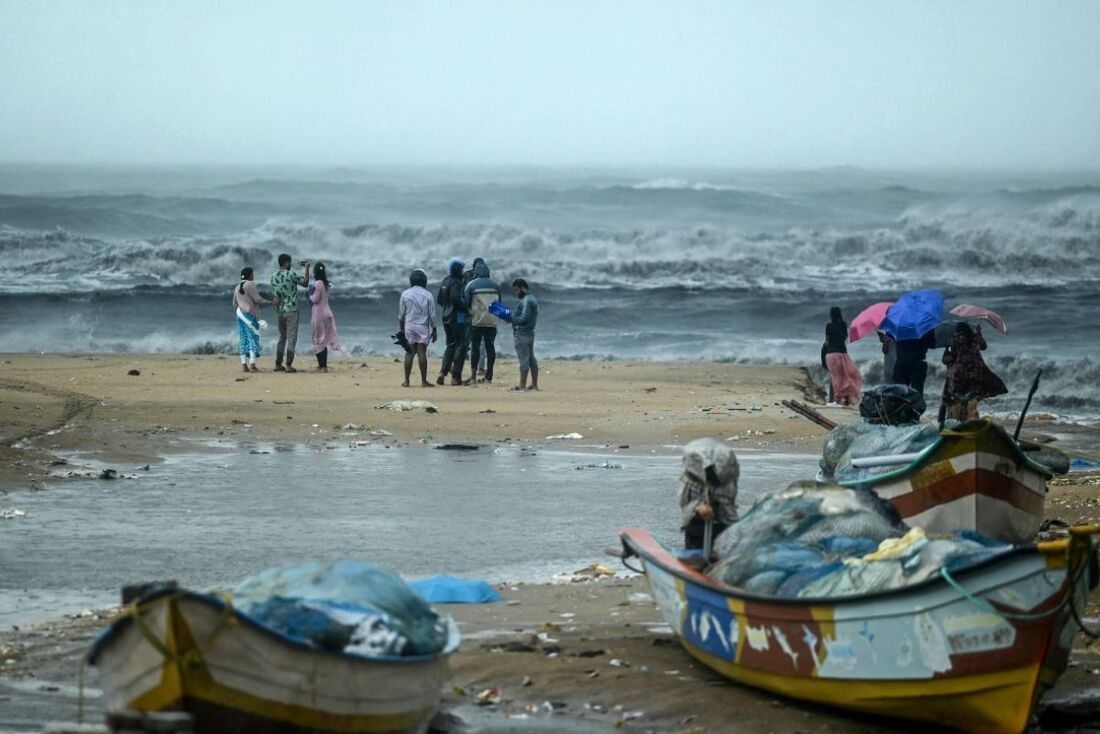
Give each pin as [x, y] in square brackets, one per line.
[912, 322]
[968, 378]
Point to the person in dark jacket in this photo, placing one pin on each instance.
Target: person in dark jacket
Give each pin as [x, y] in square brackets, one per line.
[455, 317]
[480, 293]
[477, 366]
[911, 364]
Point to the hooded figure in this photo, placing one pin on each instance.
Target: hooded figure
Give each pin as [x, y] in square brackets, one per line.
[709, 489]
[455, 320]
[481, 292]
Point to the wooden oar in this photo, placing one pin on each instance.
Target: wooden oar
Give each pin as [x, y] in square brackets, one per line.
[809, 413]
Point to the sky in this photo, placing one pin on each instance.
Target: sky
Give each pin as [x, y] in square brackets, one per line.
[770, 83]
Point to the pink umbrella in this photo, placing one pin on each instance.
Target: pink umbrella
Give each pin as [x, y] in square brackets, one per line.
[967, 311]
[868, 320]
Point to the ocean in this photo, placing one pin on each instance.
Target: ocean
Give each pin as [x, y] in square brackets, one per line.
[717, 265]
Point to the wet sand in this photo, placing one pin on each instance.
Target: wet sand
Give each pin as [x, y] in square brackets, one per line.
[90, 403]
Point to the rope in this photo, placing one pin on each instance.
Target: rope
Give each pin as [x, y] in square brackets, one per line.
[985, 606]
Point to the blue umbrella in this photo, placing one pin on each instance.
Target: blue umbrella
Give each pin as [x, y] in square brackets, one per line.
[914, 315]
[451, 590]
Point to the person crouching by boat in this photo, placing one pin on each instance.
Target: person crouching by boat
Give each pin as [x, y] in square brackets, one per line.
[416, 320]
[247, 301]
[844, 376]
[322, 323]
[708, 490]
[968, 378]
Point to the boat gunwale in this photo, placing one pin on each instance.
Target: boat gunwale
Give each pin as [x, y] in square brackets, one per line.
[693, 576]
[105, 636]
[928, 451]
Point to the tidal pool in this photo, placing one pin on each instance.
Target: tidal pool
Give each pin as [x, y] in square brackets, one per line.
[211, 518]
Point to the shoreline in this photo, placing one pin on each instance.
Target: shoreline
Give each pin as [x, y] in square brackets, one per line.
[91, 403]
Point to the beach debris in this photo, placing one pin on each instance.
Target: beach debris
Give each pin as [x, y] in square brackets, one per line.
[512, 603]
[487, 410]
[594, 570]
[598, 652]
[458, 447]
[602, 465]
[109, 474]
[404, 406]
[239, 379]
[651, 389]
[617, 663]
[639, 597]
[553, 706]
[134, 373]
[526, 682]
[565, 437]
[352, 427]
[282, 402]
[626, 716]
[488, 697]
[12, 513]
[380, 433]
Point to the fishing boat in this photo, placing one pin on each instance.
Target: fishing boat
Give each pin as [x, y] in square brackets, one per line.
[181, 650]
[975, 477]
[973, 650]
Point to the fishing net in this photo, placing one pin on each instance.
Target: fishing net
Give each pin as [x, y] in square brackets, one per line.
[348, 606]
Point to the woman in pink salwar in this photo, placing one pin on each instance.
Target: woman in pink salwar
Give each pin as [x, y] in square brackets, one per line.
[322, 323]
[844, 376]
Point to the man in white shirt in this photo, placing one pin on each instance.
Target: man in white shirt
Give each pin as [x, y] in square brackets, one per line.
[416, 320]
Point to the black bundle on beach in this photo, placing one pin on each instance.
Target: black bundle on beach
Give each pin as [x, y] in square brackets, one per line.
[400, 339]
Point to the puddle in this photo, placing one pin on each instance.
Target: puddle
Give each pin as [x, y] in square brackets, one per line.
[211, 519]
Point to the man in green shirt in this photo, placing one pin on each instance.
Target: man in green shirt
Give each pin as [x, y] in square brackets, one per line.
[286, 284]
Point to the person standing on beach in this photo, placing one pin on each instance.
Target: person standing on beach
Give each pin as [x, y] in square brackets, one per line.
[477, 368]
[321, 321]
[455, 317]
[524, 319]
[416, 320]
[969, 379]
[846, 380]
[480, 293]
[889, 355]
[708, 490]
[247, 301]
[286, 284]
[911, 365]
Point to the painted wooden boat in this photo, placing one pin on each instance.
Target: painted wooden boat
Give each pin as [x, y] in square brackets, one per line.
[180, 650]
[973, 477]
[973, 651]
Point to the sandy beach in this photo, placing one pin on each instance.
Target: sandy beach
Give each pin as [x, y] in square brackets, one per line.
[94, 403]
[591, 654]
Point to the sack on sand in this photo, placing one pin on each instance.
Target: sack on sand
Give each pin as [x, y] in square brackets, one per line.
[891, 405]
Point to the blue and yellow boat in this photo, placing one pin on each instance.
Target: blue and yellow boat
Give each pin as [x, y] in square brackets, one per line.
[972, 651]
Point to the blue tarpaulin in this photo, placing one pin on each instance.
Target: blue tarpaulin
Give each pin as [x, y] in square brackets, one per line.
[451, 590]
[913, 315]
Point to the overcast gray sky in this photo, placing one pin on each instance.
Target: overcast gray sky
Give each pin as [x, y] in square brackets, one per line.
[764, 83]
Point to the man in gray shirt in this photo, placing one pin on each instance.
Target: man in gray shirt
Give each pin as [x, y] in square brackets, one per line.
[524, 318]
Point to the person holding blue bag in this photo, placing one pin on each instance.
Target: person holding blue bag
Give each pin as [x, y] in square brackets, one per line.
[524, 319]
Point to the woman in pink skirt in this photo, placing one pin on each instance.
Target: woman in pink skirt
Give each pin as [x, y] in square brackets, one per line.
[322, 323]
[846, 380]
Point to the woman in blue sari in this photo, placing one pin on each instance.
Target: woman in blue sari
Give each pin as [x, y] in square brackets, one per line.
[247, 301]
